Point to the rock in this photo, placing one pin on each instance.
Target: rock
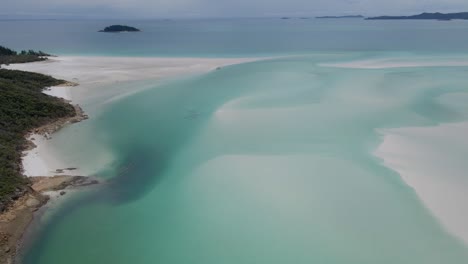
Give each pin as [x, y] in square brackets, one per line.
[33, 202]
[63, 193]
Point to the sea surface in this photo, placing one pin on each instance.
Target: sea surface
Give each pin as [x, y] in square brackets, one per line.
[262, 162]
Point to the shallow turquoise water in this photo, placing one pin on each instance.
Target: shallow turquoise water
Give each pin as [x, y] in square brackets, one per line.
[265, 162]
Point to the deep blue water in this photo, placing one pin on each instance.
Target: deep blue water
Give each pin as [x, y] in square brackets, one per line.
[234, 37]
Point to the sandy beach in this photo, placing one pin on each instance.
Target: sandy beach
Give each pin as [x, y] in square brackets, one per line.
[87, 78]
[94, 77]
[432, 160]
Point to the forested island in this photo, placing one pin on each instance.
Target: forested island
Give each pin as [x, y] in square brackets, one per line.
[433, 16]
[8, 56]
[23, 107]
[119, 28]
[353, 16]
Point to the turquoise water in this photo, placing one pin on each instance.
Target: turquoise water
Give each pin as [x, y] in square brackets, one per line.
[266, 162]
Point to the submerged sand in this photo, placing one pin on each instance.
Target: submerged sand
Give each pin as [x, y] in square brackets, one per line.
[88, 77]
[432, 160]
[95, 77]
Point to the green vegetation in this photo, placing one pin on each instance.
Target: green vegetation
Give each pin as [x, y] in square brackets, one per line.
[7, 52]
[23, 107]
[119, 28]
[8, 56]
[352, 16]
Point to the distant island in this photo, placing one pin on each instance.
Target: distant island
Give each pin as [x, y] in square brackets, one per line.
[433, 16]
[353, 16]
[119, 28]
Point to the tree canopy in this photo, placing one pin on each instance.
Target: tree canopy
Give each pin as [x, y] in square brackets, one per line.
[23, 107]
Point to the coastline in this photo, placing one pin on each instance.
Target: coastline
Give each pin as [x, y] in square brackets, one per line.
[436, 171]
[99, 80]
[92, 74]
[16, 219]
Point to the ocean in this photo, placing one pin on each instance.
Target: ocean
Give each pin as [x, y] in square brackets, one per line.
[262, 162]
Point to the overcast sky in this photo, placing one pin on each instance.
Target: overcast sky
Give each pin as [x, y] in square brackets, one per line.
[219, 8]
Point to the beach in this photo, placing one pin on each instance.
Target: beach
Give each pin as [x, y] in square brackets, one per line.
[86, 77]
[94, 77]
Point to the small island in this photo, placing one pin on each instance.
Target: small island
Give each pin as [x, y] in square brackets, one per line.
[352, 16]
[427, 16]
[119, 28]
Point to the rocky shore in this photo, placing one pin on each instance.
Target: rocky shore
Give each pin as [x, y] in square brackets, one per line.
[18, 216]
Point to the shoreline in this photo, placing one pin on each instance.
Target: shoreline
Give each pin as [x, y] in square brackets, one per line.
[16, 220]
[98, 81]
[19, 215]
[33, 164]
[430, 161]
[92, 75]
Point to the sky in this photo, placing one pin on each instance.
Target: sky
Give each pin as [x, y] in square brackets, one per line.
[219, 8]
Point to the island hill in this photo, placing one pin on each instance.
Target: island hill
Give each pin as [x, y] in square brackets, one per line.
[325, 17]
[425, 16]
[119, 28]
[352, 16]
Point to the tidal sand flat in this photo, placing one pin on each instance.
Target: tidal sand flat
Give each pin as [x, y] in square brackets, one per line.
[101, 80]
[263, 162]
[432, 161]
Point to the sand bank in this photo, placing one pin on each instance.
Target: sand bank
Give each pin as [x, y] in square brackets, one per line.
[93, 73]
[96, 77]
[432, 160]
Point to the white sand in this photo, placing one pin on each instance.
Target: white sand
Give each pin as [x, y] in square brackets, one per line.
[433, 161]
[59, 91]
[96, 77]
[96, 72]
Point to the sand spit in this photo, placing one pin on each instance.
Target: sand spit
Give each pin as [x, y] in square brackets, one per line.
[97, 77]
[432, 160]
